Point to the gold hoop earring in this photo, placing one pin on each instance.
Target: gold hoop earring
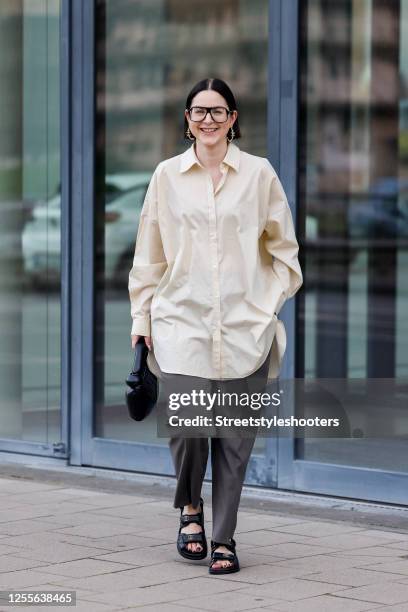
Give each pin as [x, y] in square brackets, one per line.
[189, 135]
[232, 135]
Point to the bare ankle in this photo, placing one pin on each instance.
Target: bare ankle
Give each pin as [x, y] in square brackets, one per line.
[191, 510]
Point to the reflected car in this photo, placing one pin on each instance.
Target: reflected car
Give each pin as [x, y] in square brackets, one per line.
[41, 238]
[384, 214]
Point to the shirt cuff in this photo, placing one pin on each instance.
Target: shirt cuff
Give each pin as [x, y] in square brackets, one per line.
[141, 326]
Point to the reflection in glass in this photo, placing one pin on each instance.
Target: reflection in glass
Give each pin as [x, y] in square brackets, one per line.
[29, 221]
[354, 203]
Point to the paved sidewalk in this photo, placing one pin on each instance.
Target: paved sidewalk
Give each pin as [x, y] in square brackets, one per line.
[117, 551]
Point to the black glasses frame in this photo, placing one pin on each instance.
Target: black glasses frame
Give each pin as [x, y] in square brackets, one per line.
[208, 109]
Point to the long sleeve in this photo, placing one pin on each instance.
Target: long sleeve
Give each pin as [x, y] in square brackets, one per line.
[149, 263]
[280, 241]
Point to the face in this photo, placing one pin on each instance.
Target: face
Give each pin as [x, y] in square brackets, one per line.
[208, 131]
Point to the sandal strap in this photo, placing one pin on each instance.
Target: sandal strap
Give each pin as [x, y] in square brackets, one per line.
[231, 546]
[191, 537]
[186, 519]
[219, 555]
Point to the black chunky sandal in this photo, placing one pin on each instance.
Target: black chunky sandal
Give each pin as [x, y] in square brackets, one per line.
[219, 556]
[186, 538]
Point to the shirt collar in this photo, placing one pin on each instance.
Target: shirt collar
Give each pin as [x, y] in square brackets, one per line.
[189, 157]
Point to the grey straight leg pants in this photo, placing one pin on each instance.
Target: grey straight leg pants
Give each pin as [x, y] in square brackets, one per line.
[229, 460]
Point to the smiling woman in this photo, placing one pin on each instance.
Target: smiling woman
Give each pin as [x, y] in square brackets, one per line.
[223, 321]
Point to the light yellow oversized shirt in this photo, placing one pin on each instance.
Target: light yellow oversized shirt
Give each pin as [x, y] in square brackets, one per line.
[213, 268]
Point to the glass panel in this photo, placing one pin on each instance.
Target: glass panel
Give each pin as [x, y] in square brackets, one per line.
[149, 55]
[354, 198]
[29, 221]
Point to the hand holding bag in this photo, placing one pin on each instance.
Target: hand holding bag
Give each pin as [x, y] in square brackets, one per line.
[141, 385]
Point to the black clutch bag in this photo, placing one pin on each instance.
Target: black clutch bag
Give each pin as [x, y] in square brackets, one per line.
[141, 385]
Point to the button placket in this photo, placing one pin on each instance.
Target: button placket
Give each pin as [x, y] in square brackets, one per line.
[224, 171]
[215, 278]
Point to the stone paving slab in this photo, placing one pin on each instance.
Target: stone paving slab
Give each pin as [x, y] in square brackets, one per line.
[166, 608]
[101, 528]
[392, 567]
[84, 568]
[392, 536]
[54, 552]
[266, 537]
[151, 555]
[374, 552]
[292, 550]
[382, 592]
[356, 541]
[401, 579]
[11, 563]
[401, 545]
[224, 601]
[351, 577]
[293, 589]
[118, 552]
[13, 486]
[115, 543]
[253, 522]
[81, 606]
[20, 579]
[162, 593]
[396, 608]
[24, 526]
[24, 511]
[316, 529]
[135, 577]
[324, 603]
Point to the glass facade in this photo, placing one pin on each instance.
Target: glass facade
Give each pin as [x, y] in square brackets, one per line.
[92, 99]
[353, 199]
[30, 221]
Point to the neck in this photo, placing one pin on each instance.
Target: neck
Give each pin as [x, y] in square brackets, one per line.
[211, 156]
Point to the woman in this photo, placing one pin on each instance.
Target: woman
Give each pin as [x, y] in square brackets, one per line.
[216, 257]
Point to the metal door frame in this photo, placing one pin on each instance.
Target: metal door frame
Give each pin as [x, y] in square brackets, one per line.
[59, 448]
[86, 449]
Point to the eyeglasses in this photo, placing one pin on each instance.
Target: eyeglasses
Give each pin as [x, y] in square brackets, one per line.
[219, 114]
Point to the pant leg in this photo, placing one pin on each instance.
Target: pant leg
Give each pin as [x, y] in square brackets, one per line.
[229, 460]
[189, 455]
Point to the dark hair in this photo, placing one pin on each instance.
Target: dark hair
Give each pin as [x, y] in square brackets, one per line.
[222, 88]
